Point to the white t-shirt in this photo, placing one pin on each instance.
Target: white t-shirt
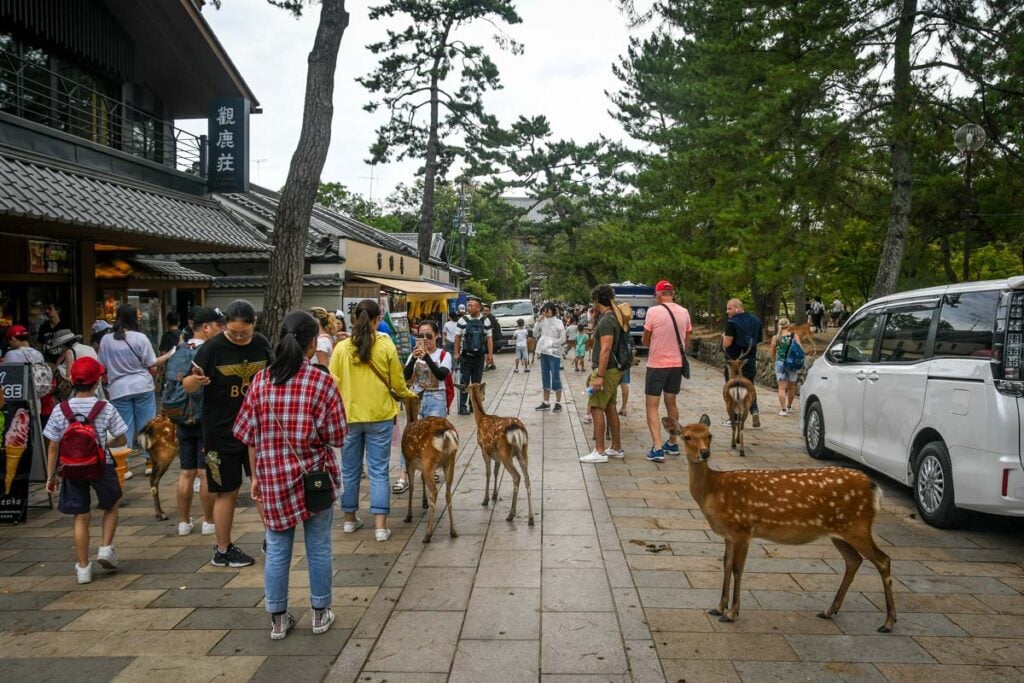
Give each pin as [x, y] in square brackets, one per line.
[325, 344]
[127, 362]
[570, 333]
[521, 336]
[422, 378]
[451, 328]
[25, 354]
[837, 306]
[107, 422]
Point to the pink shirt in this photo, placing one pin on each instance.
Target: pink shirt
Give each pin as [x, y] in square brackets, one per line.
[664, 350]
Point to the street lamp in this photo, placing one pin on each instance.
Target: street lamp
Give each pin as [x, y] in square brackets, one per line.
[968, 139]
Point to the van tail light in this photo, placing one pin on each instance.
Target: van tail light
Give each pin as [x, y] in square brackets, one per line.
[1006, 482]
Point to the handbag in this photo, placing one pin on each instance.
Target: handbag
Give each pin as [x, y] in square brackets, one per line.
[316, 484]
[679, 340]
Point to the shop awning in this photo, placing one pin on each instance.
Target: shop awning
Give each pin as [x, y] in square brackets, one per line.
[143, 269]
[416, 290]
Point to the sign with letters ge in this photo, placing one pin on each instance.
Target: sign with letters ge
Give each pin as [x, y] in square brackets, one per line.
[14, 378]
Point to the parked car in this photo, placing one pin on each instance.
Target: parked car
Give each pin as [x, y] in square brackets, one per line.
[927, 387]
[508, 312]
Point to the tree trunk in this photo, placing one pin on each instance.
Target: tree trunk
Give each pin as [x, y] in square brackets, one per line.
[425, 228]
[899, 208]
[947, 258]
[799, 300]
[291, 224]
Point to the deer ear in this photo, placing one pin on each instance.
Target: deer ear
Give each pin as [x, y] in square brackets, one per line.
[671, 426]
[705, 420]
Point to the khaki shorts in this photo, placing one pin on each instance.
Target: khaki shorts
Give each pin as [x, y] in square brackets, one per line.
[605, 398]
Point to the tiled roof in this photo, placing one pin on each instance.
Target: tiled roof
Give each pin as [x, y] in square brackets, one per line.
[52, 191]
[238, 256]
[158, 269]
[257, 281]
[534, 209]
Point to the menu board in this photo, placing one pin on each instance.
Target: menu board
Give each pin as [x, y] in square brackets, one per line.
[402, 339]
[17, 419]
[48, 257]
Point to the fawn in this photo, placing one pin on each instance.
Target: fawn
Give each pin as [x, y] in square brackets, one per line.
[159, 438]
[739, 394]
[501, 438]
[785, 506]
[429, 443]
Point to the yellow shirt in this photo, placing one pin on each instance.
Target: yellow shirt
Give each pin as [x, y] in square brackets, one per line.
[366, 397]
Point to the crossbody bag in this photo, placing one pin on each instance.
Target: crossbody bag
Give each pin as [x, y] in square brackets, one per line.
[679, 341]
[316, 483]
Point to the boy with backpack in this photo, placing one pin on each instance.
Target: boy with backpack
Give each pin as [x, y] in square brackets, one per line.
[185, 410]
[80, 431]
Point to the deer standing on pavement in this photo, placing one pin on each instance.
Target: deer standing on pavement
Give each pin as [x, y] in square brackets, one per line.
[739, 394]
[503, 439]
[785, 506]
[159, 438]
[427, 444]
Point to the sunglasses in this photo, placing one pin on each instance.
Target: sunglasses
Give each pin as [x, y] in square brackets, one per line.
[424, 336]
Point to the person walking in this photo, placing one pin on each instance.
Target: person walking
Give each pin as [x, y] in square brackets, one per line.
[604, 380]
[223, 369]
[522, 339]
[495, 336]
[740, 339]
[817, 312]
[837, 311]
[75, 499]
[171, 337]
[291, 419]
[666, 329]
[473, 340]
[129, 359]
[325, 340]
[549, 331]
[185, 411]
[781, 343]
[369, 376]
[450, 329]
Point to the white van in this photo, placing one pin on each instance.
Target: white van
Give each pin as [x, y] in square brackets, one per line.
[508, 312]
[927, 387]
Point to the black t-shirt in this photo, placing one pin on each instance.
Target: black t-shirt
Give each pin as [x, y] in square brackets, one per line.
[231, 369]
[170, 339]
[734, 351]
[45, 335]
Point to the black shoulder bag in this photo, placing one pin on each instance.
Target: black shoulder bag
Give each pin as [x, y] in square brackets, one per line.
[316, 484]
[679, 341]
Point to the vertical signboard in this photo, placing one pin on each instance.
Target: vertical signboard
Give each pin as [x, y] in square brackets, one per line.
[16, 439]
[228, 145]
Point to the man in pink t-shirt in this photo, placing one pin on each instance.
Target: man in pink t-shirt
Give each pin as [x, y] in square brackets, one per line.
[664, 364]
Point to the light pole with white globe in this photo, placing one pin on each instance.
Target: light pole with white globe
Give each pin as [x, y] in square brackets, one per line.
[968, 139]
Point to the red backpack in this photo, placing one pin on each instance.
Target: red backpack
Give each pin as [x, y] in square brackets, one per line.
[80, 456]
[449, 384]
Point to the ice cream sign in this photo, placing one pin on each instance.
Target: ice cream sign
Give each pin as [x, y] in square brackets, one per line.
[14, 381]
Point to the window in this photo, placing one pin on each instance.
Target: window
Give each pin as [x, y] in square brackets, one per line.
[860, 339]
[905, 336]
[966, 323]
[506, 308]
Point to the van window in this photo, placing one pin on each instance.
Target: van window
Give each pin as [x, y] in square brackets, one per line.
[506, 308]
[905, 335]
[859, 345]
[966, 323]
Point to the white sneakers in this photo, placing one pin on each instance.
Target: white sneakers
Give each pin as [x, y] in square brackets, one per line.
[128, 474]
[84, 573]
[594, 456]
[351, 527]
[612, 453]
[208, 528]
[185, 528]
[382, 534]
[107, 557]
[783, 412]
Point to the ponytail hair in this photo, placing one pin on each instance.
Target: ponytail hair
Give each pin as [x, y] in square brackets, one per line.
[297, 331]
[127, 319]
[363, 333]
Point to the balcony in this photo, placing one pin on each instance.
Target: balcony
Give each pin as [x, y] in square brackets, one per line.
[31, 91]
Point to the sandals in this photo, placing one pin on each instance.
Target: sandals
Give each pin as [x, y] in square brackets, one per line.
[400, 486]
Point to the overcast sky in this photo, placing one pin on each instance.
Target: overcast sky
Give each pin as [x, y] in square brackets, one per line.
[570, 46]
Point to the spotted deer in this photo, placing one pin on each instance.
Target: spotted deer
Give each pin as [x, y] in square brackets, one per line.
[785, 506]
[159, 438]
[739, 394]
[503, 439]
[427, 444]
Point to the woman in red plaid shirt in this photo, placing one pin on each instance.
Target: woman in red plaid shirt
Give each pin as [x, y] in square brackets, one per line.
[293, 412]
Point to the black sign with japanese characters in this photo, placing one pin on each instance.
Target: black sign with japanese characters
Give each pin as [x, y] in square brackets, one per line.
[228, 145]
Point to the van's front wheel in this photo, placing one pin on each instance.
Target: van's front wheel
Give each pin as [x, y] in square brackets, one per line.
[814, 432]
[933, 487]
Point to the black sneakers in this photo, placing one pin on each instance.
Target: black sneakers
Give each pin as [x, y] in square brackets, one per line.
[234, 557]
[557, 408]
[543, 406]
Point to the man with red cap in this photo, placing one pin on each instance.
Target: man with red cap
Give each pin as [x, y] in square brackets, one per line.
[666, 329]
[19, 346]
[75, 498]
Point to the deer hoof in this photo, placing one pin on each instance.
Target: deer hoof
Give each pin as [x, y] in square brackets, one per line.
[743, 454]
[495, 496]
[408, 519]
[161, 516]
[531, 521]
[824, 615]
[453, 535]
[485, 502]
[426, 539]
[884, 629]
[726, 619]
[426, 505]
[510, 517]
[715, 612]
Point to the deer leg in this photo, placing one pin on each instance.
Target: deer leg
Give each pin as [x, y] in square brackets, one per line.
[449, 475]
[515, 488]
[487, 479]
[853, 561]
[739, 559]
[497, 471]
[159, 468]
[430, 491]
[727, 562]
[743, 420]
[875, 556]
[524, 464]
[410, 470]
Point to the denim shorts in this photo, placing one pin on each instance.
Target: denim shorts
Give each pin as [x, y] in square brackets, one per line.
[784, 375]
[521, 352]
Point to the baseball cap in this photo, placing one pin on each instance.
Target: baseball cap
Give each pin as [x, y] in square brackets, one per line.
[15, 331]
[664, 286]
[100, 326]
[87, 370]
[203, 314]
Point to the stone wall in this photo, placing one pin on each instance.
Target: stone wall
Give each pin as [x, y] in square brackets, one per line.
[711, 353]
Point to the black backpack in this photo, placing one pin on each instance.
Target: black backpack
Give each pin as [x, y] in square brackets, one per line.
[473, 337]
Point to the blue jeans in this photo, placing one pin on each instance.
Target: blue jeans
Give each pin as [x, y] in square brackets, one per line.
[317, 534]
[550, 369]
[432, 404]
[136, 410]
[374, 440]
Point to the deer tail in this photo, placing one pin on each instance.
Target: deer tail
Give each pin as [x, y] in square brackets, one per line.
[145, 436]
[516, 436]
[451, 441]
[876, 496]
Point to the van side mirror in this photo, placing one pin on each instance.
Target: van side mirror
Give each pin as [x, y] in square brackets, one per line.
[835, 353]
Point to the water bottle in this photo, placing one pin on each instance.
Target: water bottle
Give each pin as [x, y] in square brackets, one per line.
[589, 391]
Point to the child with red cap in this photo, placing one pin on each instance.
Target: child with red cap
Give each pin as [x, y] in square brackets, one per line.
[75, 499]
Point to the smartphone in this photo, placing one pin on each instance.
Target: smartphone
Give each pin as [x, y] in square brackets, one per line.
[196, 366]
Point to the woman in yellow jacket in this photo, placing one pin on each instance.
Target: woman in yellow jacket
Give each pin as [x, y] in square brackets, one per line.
[366, 369]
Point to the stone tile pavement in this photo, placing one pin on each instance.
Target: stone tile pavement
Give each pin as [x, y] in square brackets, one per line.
[612, 584]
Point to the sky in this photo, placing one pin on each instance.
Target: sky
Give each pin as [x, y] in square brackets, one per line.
[570, 46]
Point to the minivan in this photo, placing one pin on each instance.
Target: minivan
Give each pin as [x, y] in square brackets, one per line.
[508, 312]
[927, 387]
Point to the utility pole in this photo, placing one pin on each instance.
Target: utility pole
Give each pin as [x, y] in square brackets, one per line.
[968, 139]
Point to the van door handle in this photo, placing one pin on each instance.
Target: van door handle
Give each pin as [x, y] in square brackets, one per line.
[873, 376]
[860, 376]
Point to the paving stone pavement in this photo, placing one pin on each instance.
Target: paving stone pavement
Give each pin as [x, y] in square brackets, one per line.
[612, 584]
